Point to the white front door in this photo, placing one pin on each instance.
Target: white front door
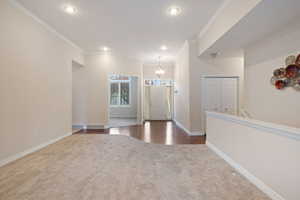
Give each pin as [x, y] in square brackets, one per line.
[159, 103]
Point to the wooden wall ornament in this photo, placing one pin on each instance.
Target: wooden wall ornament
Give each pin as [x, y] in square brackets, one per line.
[289, 76]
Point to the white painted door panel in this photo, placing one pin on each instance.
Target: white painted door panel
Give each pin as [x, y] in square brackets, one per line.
[229, 96]
[158, 103]
[212, 97]
[219, 95]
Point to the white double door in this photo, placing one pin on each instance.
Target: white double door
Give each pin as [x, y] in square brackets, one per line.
[221, 95]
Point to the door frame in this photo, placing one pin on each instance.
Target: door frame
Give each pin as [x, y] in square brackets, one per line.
[172, 96]
[139, 96]
[203, 78]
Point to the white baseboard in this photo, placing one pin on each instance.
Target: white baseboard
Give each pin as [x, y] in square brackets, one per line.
[196, 133]
[78, 126]
[90, 126]
[29, 151]
[191, 133]
[96, 126]
[253, 179]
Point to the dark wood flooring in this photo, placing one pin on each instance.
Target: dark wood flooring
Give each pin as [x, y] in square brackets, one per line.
[158, 132]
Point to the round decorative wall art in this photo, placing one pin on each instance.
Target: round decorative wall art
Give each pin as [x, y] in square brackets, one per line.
[289, 76]
[297, 84]
[280, 73]
[290, 60]
[279, 84]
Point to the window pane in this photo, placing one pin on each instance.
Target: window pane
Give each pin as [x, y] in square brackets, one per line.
[124, 94]
[114, 94]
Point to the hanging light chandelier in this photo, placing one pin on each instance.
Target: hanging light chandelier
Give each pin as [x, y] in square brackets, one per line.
[160, 71]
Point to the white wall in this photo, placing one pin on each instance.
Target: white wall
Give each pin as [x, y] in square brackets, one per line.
[131, 110]
[35, 82]
[267, 154]
[199, 67]
[188, 73]
[78, 95]
[182, 85]
[263, 101]
[229, 14]
[96, 73]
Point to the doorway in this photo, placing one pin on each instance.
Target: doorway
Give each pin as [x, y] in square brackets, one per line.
[220, 94]
[158, 99]
[78, 97]
[123, 93]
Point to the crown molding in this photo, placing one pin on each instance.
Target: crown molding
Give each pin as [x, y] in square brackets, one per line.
[44, 24]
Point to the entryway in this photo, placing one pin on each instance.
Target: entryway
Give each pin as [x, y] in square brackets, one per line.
[123, 109]
[158, 99]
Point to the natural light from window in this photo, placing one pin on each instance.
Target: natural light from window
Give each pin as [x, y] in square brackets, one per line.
[120, 91]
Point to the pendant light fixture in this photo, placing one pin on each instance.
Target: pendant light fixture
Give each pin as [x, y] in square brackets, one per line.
[160, 71]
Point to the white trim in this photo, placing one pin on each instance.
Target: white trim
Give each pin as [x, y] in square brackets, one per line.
[213, 18]
[121, 106]
[253, 179]
[76, 126]
[75, 131]
[191, 133]
[196, 133]
[31, 150]
[218, 76]
[285, 131]
[91, 126]
[44, 24]
[96, 126]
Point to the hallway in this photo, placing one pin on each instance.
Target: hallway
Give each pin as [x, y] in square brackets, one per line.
[157, 132]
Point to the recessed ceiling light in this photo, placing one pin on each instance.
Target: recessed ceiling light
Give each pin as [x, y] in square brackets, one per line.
[105, 49]
[164, 47]
[70, 10]
[174, 11]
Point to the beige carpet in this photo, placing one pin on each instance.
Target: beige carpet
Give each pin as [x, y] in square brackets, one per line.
[96, 167]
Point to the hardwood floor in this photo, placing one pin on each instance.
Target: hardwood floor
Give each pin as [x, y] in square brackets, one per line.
[157, 132]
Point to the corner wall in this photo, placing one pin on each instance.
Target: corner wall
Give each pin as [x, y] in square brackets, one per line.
[188, 73]
[182, 85]
[199, 67]
[35, 83]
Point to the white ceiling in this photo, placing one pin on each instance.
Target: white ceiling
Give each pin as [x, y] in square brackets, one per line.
[133, 28]
[268, 17]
